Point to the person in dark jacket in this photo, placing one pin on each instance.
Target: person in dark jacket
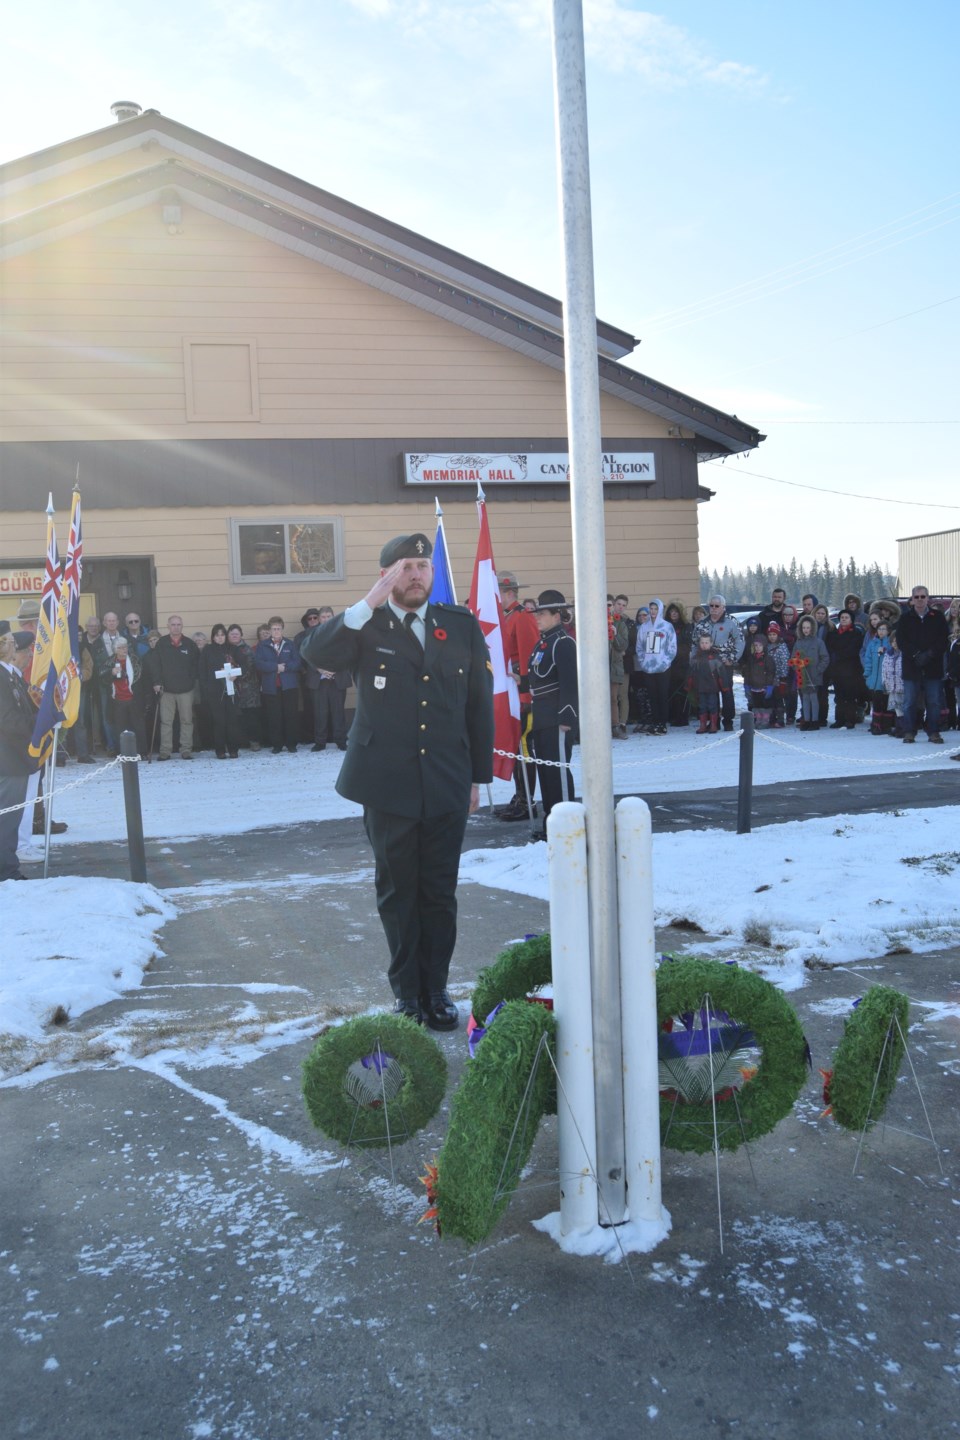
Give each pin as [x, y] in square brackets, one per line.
[759, 678]
[247, 686]
[678, 696]
[808, 663]
[172, 669]
[16, 764]
[553, 694]
[420, 747]
[219, 697]
[279, 664]
[328, 696]
[922, 636]
[849, 692]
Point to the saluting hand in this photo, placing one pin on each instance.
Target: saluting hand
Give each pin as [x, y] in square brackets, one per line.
[380, 590]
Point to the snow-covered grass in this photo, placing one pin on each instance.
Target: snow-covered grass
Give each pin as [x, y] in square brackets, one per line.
[70, 944]
[822, 891]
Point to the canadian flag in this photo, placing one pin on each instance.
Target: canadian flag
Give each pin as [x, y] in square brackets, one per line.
[484, 601]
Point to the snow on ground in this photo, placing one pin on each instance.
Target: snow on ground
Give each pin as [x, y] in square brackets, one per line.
[829, 891]
[70, 944]
[206, 796]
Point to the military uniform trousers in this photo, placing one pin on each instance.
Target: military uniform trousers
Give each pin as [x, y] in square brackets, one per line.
[556, 783]
[417, 862]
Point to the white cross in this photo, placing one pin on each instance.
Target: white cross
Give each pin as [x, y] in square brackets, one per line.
[228, 673]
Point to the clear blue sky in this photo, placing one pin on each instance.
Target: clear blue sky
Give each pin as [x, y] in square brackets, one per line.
[775, 190]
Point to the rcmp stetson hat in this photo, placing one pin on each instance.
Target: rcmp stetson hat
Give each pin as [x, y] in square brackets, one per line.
[405, 547]
[29, 610]
[507, 580]
[552, 600]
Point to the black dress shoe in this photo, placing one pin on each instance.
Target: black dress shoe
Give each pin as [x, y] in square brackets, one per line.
[439, 1011]
[317, 748]
[410, 1008]
[57, 827]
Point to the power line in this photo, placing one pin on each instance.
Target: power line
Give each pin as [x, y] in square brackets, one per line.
[821, 490]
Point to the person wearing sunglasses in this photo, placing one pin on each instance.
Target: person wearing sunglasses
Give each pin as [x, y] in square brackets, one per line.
[726, 637]
[922, 636]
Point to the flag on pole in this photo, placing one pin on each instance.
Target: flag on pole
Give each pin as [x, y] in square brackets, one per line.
[61, 692]
[49, 601]
[443, 592]
[485, 603]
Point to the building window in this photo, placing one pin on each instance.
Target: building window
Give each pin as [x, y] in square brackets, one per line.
[220, 377]
[270, 550]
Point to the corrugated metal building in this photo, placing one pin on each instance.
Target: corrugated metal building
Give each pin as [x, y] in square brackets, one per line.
[932, 560]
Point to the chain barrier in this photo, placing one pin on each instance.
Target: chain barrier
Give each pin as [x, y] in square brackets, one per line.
[634, 764]
[911, 759]
[74, 784]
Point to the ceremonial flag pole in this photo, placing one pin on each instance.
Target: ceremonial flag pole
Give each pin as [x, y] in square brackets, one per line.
[42, 646]
[485, 603]
[60, 702]
[443, 592]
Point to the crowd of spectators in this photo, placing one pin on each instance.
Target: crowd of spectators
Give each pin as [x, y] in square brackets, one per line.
[895, 669]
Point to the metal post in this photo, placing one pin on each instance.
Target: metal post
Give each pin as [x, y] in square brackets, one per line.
[569, 944]
[590, 592]
[745, 789]
[131, 804]
[49, 780]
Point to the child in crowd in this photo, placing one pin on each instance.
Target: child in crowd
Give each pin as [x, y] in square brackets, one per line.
[780, 655]
[708, 676]
[759, 675]
[892, 673]
[808, 663]
[875, 647]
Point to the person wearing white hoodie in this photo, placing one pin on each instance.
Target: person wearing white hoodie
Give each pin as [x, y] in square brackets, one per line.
[656, 649]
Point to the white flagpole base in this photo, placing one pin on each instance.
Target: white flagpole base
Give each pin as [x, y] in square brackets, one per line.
[570, 963]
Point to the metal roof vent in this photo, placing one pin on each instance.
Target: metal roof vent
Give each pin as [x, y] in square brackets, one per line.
[125, 109]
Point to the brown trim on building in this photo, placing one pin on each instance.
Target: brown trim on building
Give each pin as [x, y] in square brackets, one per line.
[137, 474]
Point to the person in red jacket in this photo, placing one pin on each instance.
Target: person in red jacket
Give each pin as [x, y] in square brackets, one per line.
[521, 635]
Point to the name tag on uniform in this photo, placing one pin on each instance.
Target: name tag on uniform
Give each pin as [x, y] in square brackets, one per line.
[379, 682]
[382, 650]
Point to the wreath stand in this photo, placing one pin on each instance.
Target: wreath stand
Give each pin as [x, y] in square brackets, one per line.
[370, 1089]
[706, 1006]
[897, 1129]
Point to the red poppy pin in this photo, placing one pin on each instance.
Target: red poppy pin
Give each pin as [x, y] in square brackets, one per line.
[439, 634]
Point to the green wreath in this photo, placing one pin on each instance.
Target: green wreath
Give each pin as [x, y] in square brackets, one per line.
[398, 1098]
[515, 972]
[493, 1122]
[756, 1107]
[867, 1060]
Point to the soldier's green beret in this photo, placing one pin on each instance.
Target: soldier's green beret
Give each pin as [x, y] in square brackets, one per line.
[405, 547]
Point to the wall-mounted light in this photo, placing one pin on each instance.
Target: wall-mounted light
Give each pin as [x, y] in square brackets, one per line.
[124, 588]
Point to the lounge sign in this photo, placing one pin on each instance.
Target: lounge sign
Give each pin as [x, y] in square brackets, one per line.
[21, 582]
[631, 467]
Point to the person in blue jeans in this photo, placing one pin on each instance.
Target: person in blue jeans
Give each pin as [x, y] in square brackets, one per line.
[922, 637]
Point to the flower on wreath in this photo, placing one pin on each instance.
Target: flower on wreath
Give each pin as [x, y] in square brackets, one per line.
[429, 1180]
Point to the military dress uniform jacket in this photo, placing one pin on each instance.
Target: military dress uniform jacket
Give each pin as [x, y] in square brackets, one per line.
[16, 726]
[553, 680]
[423, 731]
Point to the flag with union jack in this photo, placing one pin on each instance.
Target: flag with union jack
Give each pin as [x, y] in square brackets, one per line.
[485, 603]
[49, 601]
[60, 702]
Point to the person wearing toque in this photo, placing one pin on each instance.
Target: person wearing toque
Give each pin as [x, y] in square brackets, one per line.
[420, 746]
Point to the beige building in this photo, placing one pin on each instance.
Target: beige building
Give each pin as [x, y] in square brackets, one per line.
[260, 381]
[932, 560]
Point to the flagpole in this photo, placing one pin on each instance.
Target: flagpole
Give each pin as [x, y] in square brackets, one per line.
[50, 770]
[590, 591]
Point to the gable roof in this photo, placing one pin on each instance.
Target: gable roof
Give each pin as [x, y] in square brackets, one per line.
[247, 192]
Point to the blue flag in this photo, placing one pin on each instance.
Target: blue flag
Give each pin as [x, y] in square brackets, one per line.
[443, 592]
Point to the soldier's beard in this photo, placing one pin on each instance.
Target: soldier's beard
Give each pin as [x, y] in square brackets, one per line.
[410, 595]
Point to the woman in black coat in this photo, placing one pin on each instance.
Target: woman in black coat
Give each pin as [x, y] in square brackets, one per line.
[678, 695]
[221, 704]
[845, 671]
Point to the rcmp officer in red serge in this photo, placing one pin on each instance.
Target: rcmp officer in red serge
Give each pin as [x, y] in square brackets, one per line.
[420, 747]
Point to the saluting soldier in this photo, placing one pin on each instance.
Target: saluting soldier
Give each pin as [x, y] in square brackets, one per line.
[420, 747]
[552, 673]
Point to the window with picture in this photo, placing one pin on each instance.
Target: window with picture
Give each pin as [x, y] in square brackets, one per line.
[271, 550]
